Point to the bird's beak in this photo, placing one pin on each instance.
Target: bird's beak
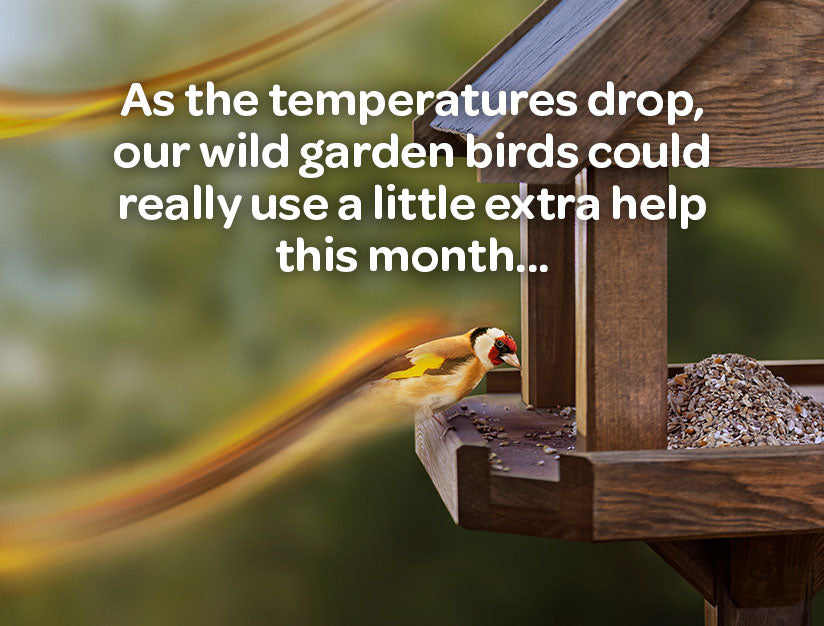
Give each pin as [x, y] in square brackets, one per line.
[512, 359]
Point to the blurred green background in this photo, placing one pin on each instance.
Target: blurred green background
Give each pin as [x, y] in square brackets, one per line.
[122, 340]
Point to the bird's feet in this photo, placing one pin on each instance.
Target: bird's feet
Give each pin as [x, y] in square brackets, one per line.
[446, 427]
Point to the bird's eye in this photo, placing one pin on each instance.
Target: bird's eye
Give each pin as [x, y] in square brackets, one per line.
[499, 344]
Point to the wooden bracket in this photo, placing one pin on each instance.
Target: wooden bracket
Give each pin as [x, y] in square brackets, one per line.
[694, 560]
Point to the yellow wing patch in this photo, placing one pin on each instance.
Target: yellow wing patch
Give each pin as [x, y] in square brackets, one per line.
[421, 364]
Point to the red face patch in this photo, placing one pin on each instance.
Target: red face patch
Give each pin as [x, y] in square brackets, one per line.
[503, 345]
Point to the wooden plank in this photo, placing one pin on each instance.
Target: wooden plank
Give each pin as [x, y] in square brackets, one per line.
[641, 46]
[458, 464]
[694, 560]
[677, 494]
[761, 86]
[621, 319]
[763, 581]
[548, 307]
[770, 571]
[503, 380]
[517, 507]
[727, 614]
[529, 58]
[422, 130]
[515, 436]
[577, 490]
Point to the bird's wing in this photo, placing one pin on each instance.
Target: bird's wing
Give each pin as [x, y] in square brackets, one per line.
[409, 365]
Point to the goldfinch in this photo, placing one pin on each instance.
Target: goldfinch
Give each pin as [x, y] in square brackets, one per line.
[437, 374]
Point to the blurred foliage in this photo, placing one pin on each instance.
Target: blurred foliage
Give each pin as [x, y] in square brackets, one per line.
[121, 340]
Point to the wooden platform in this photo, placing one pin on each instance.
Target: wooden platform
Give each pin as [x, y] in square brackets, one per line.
[522, 475]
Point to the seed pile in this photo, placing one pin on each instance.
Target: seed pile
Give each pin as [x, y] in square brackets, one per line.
[731, 400]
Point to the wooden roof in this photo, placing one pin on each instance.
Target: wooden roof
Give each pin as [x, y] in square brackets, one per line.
[753, 65]
[522, 66]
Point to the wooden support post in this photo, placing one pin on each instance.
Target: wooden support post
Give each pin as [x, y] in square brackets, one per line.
[763, 581]
[621, 317]
[548, 307]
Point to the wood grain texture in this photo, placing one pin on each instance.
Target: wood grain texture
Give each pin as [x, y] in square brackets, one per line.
[653, 495]
[516, 506]
[770, 571]
[727, 614]
[422, 130]
[458, 465]
[694, 560]
[521, 499]
[641, 46]
[548, 307]
[763, 581]
[621, 319]
[531, 57]
[672, 494]
[761, 85]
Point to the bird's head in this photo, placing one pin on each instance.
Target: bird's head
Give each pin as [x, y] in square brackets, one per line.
[494, 347]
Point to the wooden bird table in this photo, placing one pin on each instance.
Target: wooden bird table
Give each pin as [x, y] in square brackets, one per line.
[743, 525]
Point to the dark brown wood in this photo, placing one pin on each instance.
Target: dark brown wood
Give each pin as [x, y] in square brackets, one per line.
[528, 59]
[761, 85]
[727, 614]
[770, 571]
[422, 130]
[621, 318]
[503, 380]
[639, 47]
[516, 435]
[703, 493]
[479, 496]
[548, 307]
[763, 581]
[655, 496]
[694, 560]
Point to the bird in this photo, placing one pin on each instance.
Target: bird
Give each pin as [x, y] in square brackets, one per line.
[437, 374]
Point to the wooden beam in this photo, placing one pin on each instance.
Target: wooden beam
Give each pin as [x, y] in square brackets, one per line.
[641, 46]
[529, 59]
[422, 131]
[763, 581]
[675, 494]
[770, 571]
[621, 318]
[727, 614]
[548, 307]
[760, 85]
